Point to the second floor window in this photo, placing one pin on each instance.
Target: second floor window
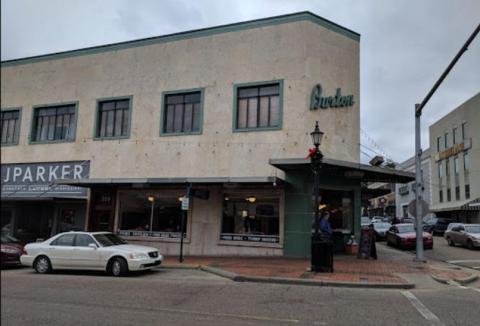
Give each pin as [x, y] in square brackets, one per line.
[113, 118]
[258, 107]
[455, 135]
[447, 167]
[439, 143]
[10, 124]
[446, 140]
[182, 113]
[464, 130]
[439, 169]
[466, 161]
[53, 123]
[457, 167]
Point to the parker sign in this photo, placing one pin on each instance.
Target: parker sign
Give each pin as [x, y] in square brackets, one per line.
[37, 179]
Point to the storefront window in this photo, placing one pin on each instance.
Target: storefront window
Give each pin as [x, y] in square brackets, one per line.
[250, 218]
[340, 206]
[150, 215]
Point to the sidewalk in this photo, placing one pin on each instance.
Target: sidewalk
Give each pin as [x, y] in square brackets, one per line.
[348, 270]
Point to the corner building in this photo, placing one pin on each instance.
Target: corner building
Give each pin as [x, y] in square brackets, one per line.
[227, 110]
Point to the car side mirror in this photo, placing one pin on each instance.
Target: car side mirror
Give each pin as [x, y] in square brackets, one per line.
[92, 245]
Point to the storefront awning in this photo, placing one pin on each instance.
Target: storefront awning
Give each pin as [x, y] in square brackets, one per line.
[464, 205]
[140, 182]
[349, 170]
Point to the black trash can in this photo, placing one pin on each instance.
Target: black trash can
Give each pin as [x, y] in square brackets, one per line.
[322, 254]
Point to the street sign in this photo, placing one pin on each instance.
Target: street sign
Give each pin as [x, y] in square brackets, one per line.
[412, 208]
[185, 203]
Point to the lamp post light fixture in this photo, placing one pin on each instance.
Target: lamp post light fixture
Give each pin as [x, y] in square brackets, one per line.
[151, 199]
[321, 247]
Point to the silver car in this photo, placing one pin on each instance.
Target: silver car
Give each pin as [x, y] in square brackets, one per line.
[464, 234]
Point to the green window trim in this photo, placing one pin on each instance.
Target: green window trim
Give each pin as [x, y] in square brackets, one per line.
[253, 84]
[97, 119]
[42, 106]
[162, 112]
[17, 132]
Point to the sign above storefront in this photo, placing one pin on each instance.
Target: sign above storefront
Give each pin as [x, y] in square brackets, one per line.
[317, 101]
[32, 180]
[454, 150]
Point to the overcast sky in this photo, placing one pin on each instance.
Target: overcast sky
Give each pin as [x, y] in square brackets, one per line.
[405, 46]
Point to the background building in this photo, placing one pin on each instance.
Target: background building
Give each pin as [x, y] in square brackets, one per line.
[455, 163]
[405, 193]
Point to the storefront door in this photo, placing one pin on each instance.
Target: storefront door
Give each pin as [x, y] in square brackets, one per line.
[103, 210]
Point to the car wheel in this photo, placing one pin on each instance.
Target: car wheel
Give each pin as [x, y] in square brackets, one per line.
[450, 242]
[118, 267]
[42, 265]
[470, 244]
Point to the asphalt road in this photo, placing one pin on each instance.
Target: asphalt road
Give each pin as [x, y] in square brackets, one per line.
[456, 255]
[190, 297]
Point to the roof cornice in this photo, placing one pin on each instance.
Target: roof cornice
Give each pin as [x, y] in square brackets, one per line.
[251, 24]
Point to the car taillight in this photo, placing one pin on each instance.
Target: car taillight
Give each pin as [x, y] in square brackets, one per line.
[24, 251]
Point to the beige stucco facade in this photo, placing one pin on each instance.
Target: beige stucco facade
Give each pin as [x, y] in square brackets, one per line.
[301, 54]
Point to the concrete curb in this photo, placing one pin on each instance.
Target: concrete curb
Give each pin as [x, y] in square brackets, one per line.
[178, 266]
[466, 280]
[296, 281]
[440, 279]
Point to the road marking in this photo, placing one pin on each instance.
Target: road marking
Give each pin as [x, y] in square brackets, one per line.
[427, 314]
[463, 261]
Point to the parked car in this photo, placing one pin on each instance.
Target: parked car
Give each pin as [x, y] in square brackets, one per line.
[429, 224]
[407, 220]
[381, 229]
[11, 250]
[89, 251]
[404, 236]
[441, 226]
[365, 221]
[464, 234]
[377, 219]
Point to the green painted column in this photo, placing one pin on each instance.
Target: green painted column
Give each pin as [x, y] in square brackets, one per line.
[298, 215]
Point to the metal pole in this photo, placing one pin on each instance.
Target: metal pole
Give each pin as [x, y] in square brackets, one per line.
[418, 188]
[182, 224]
[151, 216]
[316, 186]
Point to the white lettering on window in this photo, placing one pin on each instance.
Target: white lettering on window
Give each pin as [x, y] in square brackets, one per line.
[27, 175]
[52, 173]
[65, 171]
[77, 172]
[40, 173]
[16, 173]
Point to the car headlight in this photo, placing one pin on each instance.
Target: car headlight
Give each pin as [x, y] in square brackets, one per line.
[9, 251]
[139, 255]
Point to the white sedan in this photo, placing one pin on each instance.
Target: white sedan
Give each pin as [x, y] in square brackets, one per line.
[89, 251]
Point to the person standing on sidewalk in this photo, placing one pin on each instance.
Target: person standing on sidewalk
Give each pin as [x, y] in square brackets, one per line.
[325, 226]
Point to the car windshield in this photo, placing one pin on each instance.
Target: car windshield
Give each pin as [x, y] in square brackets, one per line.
[109, 239]
[405, 228]
[9, 239]
[472, 228]
[381, 225]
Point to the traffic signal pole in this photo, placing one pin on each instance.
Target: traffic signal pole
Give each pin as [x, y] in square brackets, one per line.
[418, 147]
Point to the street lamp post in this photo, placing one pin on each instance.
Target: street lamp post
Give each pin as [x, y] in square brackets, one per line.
[151, 199]
[321, 249]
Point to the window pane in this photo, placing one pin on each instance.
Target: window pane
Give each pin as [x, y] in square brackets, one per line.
[187, 123]
[269, 90]
[274, 111]
[122, 104]
[196, 117]
[192, 98]
[252, 112]
[242, 114]
[126, 121]
[169, 119]
[264, 112]
[59, 127]
[174, 99]
[102, 123]
[105, 106]
[51, 127]
[177, 124]
[83, 240]
[67, 127]
[110, 118]
[4, 131]
[64, 240]
[118, 122]
[248, 92]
